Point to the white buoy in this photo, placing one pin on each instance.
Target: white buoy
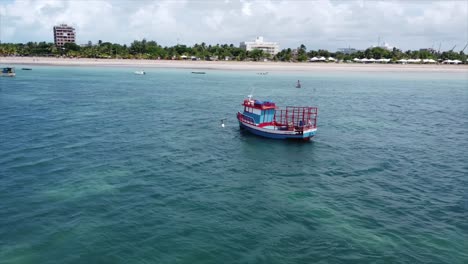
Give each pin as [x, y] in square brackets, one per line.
[222, 122]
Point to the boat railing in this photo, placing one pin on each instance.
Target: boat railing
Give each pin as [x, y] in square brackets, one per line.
[297, 118]
[245, 119]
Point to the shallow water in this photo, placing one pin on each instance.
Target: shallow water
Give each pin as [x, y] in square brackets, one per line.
[98, 165]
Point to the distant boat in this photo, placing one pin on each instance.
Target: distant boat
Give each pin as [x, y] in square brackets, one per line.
[298, 84]
[262, 73]
[8, 72]
[198, 72]
[140, 72]
[26, 69]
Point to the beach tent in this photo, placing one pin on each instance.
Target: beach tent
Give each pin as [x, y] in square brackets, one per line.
[313, 59]
[456, 62]
[365, 60]
[331, 59]
[372, 60]
[322, 59]
[402, 61]
[356, 60]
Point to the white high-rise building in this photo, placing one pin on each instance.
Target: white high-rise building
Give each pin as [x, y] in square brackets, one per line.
[271, 48]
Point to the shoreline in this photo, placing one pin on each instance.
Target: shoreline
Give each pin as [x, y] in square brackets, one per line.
[233, 65]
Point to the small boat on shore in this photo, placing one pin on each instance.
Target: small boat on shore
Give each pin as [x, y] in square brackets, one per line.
[8, 72]
[140, 72]
[264, 119]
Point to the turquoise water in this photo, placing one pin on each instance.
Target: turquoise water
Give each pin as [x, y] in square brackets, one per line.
[98, 165]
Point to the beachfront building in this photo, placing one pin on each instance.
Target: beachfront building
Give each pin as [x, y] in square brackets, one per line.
[271, 48]
[63, 34]
[347, 50]
[384, 46]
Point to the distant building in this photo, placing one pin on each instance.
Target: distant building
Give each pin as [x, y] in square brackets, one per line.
[347, 50]
[431, 50]
[63, 34]
[384, 46]
[271, 48]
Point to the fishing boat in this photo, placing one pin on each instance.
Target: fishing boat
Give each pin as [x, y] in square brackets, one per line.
[298, 84]
[140, 72]
[264, 119]
[8, 72]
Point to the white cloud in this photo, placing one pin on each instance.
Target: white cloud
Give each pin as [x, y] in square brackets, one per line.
[246, 10]
[214, 21]
[317, 24]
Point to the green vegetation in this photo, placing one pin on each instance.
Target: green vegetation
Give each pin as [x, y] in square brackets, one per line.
[152, 50]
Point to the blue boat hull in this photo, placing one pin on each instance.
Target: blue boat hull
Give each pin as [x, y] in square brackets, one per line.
[276, 134]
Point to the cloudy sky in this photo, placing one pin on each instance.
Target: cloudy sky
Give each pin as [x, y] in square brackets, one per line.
[326, 24]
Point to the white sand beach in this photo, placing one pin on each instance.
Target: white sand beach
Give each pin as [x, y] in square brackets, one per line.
[232, 65]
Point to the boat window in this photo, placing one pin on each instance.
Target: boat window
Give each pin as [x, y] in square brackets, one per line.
[257, 111]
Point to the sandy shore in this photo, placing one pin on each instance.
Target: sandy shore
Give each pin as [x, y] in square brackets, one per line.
[232, 65]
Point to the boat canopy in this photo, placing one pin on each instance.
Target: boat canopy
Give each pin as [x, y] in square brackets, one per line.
[8, 70]
[262, 105]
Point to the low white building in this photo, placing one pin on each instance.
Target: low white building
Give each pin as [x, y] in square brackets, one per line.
[271, 48]
[384, 46]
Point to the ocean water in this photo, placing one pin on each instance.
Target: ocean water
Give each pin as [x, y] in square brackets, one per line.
[98, 165]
